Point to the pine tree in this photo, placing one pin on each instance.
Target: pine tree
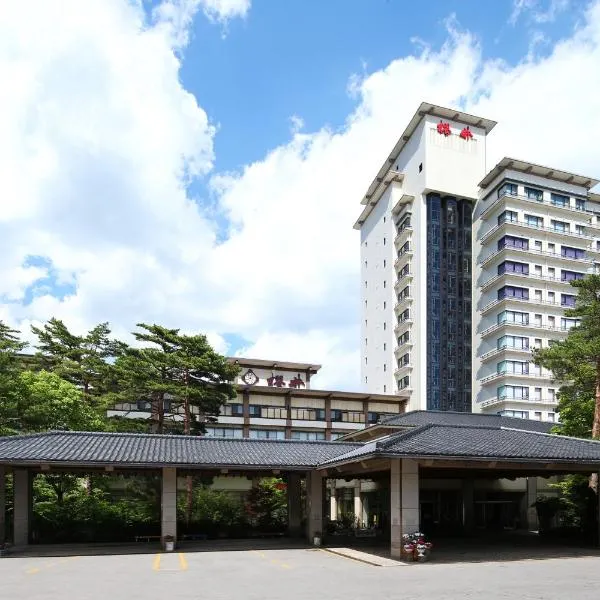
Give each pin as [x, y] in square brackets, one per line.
[10, 347]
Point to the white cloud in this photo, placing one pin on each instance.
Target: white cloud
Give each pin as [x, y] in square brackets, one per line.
[98, 140]
[537, 11]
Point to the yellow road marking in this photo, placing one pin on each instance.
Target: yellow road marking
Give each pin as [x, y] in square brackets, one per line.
[183, 562]
[34, 570]
[156, 562]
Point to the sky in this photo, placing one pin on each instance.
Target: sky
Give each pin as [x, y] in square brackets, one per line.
[200, 163]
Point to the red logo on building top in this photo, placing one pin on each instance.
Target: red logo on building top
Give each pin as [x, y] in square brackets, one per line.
[444, 129]
[466, 134]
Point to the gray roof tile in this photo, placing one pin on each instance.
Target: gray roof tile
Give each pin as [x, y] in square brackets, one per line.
[155, 450]
[435, 417]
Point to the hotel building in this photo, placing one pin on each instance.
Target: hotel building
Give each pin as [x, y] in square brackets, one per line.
[416, 261]
[535, 230]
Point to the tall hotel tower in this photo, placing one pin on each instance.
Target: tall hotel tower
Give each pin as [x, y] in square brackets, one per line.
[535, 229]
[416, 261]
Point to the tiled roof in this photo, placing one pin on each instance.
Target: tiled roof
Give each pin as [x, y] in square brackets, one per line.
[156, 450]
[482, 443]
[432, 417]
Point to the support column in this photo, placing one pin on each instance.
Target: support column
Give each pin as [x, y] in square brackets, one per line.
[21, 507]
[358, 505]
[404, 502]
[314, 508]
[168, 516]
[468, 493]
[333, 501]
[294, 504]
[2, 505]
[531, 497]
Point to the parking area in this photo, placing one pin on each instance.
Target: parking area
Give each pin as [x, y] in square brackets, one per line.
[290, 573]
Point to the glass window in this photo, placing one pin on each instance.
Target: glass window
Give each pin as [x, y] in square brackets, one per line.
[308, 435]
[507, 189]
[513, 316]
[515, 367]
[509, 266]
[254, 410]
[233, 410]
[267, 434]
[569, 252]
[580, 229]
[509, 291]
[579, 204]
[534, 194]
[559, 199]
[513, 341]
[561, 226]
[537, 244]
[273, 412]
[508, 216]
[534, 221]
[567, 300]
[510, 241]
[225, 432]
[570, 275]
[513, 392]
[566, 323]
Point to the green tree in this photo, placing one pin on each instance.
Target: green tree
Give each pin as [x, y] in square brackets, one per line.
[175, 372]
[84, 360]
[10, 347]
[44, 401]
[575, 361]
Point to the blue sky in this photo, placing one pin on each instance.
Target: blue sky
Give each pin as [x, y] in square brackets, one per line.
[151, 169]
[295, 57]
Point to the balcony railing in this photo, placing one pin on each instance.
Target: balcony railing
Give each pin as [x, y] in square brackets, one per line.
[526, 225]
[535, 301]
[535, 252]
[586, 214]
[530, 325]
[508, 374]
[497, 351]
[497, 278]
[497, 400]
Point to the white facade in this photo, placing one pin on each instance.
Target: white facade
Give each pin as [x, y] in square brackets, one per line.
[534, 230]
[394, 245]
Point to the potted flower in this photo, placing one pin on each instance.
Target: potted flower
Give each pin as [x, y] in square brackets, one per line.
[415, 547]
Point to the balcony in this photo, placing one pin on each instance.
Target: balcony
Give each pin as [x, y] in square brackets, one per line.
[507, 375]
[532, 401]
[403, 304]
[524, 225]
[402, 371]
[506, 350]
[488, 307]
[403, 260]
[538, 253]
[524, 326]
[501, 278]
[585, 215]
[402, 236]
[402, 327]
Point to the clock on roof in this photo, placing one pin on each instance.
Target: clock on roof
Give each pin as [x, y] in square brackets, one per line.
[250, 377]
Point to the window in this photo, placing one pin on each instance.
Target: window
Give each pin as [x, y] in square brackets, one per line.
[365, 341]
[225, 432]
[509, 241]
[551, 297]
[508, 216]
[513, 392]
[366, 362]
[420, 167]
[513, 341]
[538, 295]
[365, 283]
[570, 275]
[569, 252]
[537, 415]
[517, 414]
[273, 412]
[366, 379]
[551, 248]
[384, 367]
[513, 316]
[559, 200]
[538, 270]
[566, 323]
[534, 221]
[580, 229]
[509, 291]
[515, 367]
[384, 240]
[404, 338]
[403, 383]
[267, 434]
[537, 244]
[384, 325]
[404, 271]
[537, 393]
[404, 360]
[508, 189]
[384, 305]
[551, 272]
[551, 394]
[551, 417]
[384, 283]
[551, 321]
[384, 346]
[365, 264]
[534, 194]
[537, 320]
[384, 388]
[384, 219]
[509, 266]
[233, 410]
[579, 204]
[254, 410]
[384, 263]
[567, 300]
[308, 435]
[537, 343]
[561, 226]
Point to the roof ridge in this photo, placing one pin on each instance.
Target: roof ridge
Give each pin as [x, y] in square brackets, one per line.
[394, 437]
[32, 434]
[553, 435]
[133, 434]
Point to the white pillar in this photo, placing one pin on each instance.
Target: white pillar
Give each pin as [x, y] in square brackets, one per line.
[314, 500]
[294, 504]
[333, 501]
[358, 505]
[531, 497]
[2, 505]
[404, 501]
[22, 506]
[168, 510]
